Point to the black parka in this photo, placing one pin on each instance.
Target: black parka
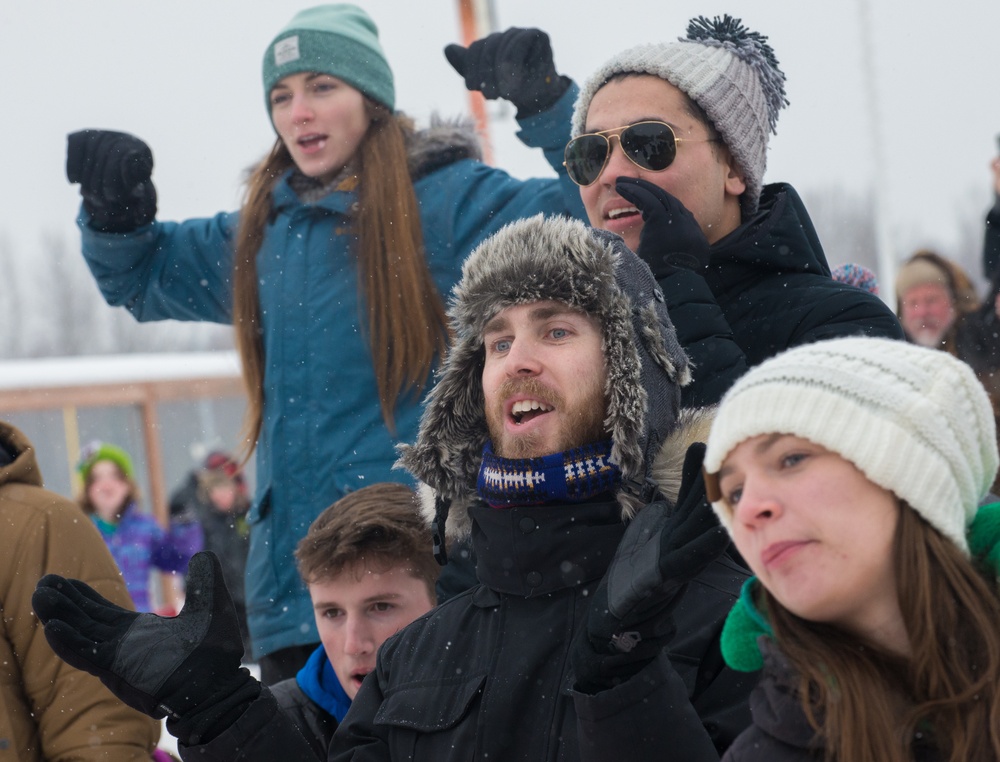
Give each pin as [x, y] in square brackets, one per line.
[486, 675]
[767, 288]
[780, 730]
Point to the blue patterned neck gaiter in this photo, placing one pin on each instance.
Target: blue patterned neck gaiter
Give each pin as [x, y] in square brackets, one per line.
[573, 476]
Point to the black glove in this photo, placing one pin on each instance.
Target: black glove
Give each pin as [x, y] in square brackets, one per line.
[671, 237]
[176, 667]
[114, 170]
[631, 617]
[516, 65]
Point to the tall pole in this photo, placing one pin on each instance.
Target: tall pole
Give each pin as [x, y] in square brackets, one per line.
[477, 19]
[884, 249]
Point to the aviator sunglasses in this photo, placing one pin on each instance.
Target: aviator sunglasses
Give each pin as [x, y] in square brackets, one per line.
[649, 145]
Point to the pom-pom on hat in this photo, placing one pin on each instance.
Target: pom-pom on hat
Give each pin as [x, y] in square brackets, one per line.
[340, 40]
[856, 275]
[96, 451]
[914, 420]
[729, 71]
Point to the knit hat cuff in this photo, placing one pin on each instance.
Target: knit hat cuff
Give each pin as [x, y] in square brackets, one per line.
[337, 55]
[834, 421]
[919, 272]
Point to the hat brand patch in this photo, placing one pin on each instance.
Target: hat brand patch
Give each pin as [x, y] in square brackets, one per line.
[286, 50]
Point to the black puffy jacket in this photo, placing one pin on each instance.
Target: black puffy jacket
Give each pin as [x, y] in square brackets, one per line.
[767, 288]
[486, 674]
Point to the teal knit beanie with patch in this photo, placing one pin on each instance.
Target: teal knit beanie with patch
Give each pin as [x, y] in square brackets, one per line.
[340, 40]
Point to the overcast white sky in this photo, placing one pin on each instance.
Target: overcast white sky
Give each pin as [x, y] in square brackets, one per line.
[185, 76]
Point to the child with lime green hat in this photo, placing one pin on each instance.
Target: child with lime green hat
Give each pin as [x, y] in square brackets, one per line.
[110, 496]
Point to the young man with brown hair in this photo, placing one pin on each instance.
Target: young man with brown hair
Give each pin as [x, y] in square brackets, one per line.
[368, 565]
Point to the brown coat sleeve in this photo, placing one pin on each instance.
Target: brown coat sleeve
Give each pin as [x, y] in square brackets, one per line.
[49, 710]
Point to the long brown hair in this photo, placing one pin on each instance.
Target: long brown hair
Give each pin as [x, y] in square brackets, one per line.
[406, 323]
[868, 704]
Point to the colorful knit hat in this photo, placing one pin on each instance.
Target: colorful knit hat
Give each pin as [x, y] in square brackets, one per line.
[858, 276]
[729, 71]
[95, 451]
[914, 420]
[340, 40]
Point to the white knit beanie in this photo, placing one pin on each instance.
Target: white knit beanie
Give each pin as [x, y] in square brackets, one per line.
[729, 71]
[914, 420]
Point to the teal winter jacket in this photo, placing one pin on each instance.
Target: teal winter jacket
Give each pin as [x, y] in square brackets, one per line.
[323, 434]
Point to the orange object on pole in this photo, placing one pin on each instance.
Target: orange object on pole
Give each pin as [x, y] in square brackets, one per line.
[473, 18]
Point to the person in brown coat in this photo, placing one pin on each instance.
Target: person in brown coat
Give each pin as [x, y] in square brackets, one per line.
[49, 710]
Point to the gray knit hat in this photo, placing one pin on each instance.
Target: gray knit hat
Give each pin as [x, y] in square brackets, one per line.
[729, 71]
[563, 260]
[914, 420]
[340, 40]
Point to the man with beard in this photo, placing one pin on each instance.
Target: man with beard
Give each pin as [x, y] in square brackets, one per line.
[554, 438]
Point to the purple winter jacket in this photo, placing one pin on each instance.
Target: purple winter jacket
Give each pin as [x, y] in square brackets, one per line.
[138, 544]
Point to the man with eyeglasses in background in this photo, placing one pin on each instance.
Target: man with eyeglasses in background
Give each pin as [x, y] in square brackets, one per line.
[669, 146]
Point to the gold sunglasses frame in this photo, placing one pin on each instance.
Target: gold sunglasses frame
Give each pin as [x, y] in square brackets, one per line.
[615, 132]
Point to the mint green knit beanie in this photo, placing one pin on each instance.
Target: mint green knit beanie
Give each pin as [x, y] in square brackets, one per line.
[340, 40]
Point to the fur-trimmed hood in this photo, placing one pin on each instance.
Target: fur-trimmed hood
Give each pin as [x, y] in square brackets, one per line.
[443, 142]
[564, 260]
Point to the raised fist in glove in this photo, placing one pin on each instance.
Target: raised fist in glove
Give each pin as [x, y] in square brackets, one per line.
[164, 667]
[516, 65]
[631, 616]
[114, 171]
[671, 237]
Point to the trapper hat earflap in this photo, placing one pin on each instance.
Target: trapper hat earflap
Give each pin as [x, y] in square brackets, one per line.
[559, 259]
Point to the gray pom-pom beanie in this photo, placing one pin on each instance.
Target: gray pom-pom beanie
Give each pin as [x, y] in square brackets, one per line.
[729, 71]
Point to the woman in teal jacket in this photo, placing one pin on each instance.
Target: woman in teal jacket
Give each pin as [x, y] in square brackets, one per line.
[333, 273]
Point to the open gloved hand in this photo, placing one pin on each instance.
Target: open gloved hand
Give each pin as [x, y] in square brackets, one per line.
[516, 65]
[631, 616]
[114, 170]
[164, 667]
[671, 237]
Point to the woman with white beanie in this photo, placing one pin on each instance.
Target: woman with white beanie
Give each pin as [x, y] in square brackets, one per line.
[851, 475]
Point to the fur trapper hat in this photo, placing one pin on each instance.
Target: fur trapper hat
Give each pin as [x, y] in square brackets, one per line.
[539, 259]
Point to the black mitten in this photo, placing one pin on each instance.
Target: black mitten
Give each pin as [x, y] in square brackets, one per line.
[671, 237]
[631, 617]
[516, 65]
[161, 666]
[114, 171]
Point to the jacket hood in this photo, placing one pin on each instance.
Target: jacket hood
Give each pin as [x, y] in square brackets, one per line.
[779, 237]
[19, 466]
[591, 270]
